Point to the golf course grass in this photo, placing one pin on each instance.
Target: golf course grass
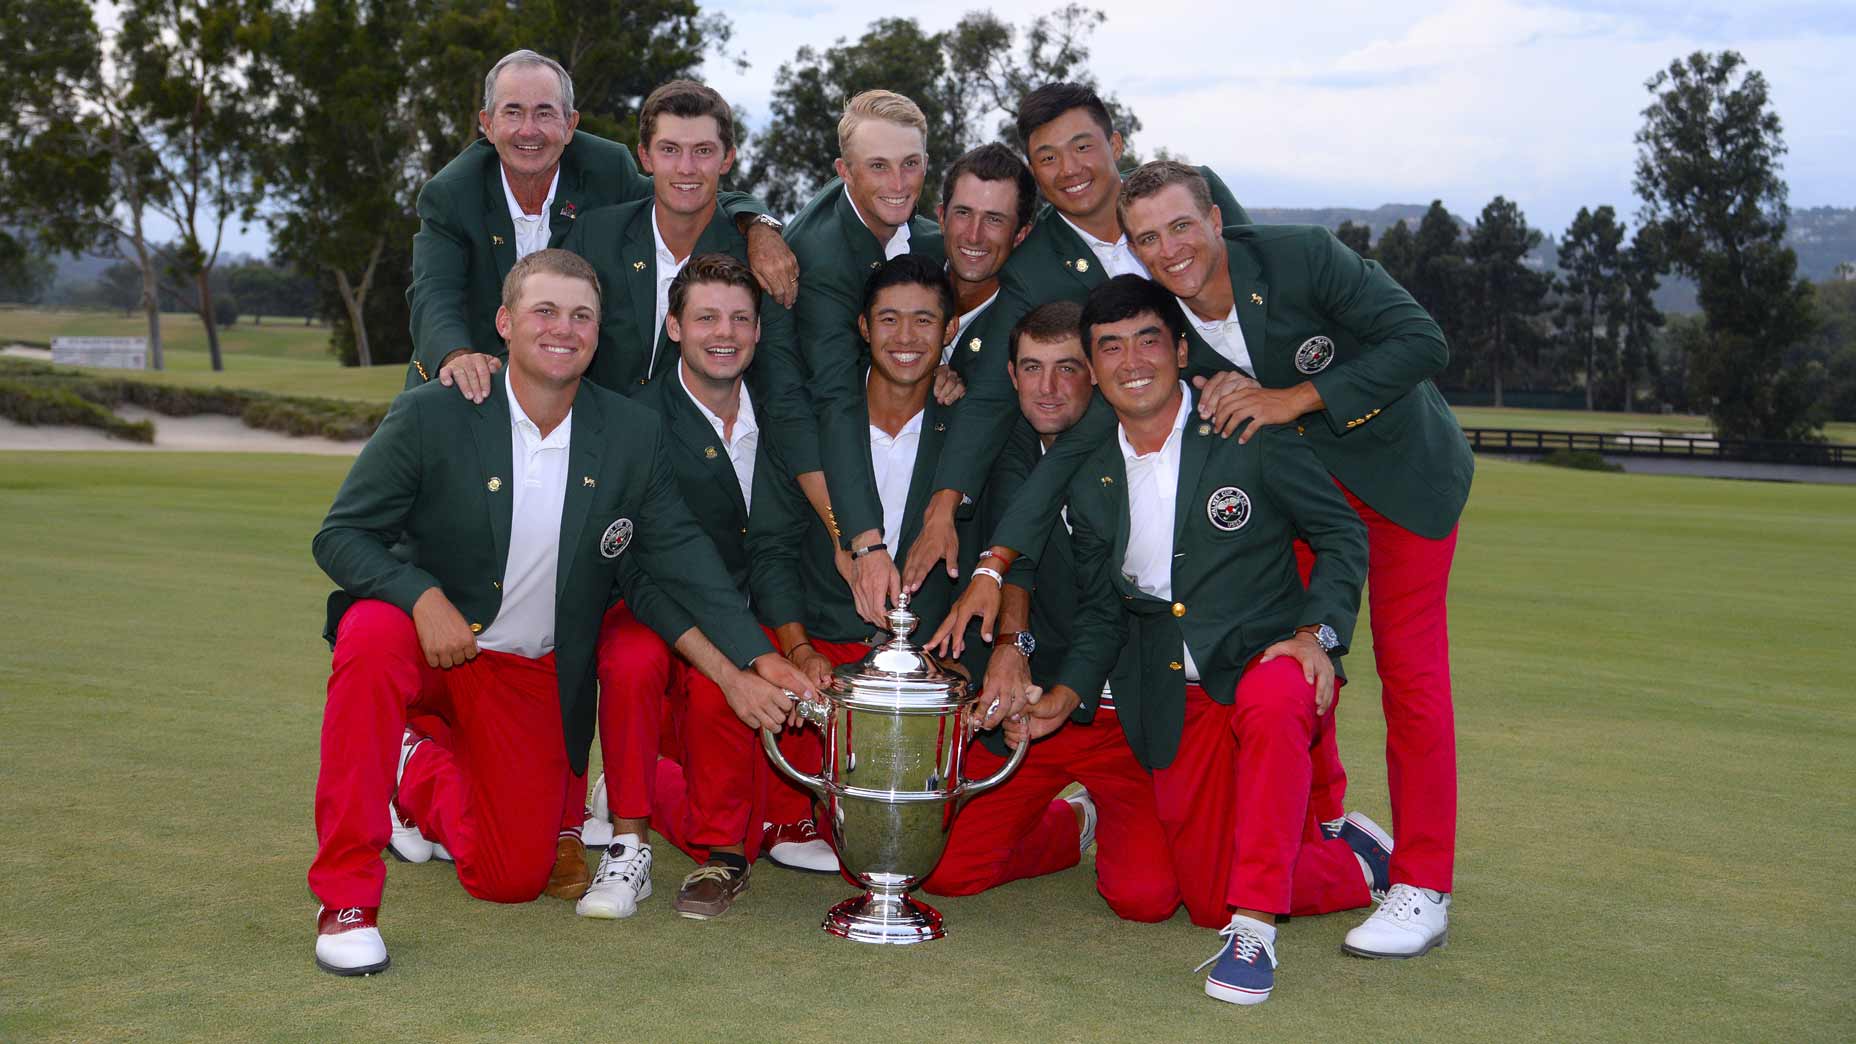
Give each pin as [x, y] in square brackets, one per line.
[1655, 722]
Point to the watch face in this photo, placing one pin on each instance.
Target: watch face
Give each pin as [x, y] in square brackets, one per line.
[1327, 637]
[1026, 643]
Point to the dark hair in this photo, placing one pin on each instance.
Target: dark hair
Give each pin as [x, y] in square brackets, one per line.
[1150, 178]
[713, 268]
[1125, 297]
[995, 162]
[688, 99]
[911, 270]
[1049, 322]
[1053, 100]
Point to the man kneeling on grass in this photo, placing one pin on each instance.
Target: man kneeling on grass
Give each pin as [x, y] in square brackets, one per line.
[479, 625]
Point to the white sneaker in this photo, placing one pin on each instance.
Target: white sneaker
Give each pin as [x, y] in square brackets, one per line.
[622, 881]
[1410, 923]
[596, 832]
[1082, 800]
[348, 941]
[798, 846]
[407, 844]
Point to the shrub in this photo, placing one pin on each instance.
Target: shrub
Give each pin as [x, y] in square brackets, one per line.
[30, 403]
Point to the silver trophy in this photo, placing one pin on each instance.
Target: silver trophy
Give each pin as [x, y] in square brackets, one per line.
[895, 740]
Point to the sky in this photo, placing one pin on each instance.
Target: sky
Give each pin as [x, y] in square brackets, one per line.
[1363, 102]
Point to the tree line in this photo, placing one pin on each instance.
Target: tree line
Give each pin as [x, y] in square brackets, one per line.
[322, 118]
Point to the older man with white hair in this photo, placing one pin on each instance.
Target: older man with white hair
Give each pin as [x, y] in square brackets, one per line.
[516, 191]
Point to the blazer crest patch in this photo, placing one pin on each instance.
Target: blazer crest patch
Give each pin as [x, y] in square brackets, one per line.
[1228, 508]
[1314, 355]
[616, 539]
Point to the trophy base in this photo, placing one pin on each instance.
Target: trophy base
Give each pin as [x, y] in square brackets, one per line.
[892, 920]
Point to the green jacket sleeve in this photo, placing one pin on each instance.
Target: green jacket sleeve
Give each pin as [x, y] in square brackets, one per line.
[734, 204]
[1304, 492]
[675, 553]
[1009, 473]
[1029, 515]
[655, 608]
[833, 353]
[777, 525]
[438, 295]
[982, 418]
[370, 513]
[779, 376]
[1100, 627]
[1402, 345]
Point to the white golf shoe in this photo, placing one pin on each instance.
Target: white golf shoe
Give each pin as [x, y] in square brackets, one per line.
[348, 941]
[1410, 923]
[407, 844]
[622, 881]
[596, 832]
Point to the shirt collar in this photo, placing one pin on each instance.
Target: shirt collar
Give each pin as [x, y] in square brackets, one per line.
[898, 244]
[744, 417]
[1206, 324]
[518, 419]
[912, 427]
[1090, 241]
[515, 209]
[1179, 427]
[663, 249]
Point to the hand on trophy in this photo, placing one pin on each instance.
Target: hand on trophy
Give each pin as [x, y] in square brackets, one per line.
[1008, 689]
[1043, 717]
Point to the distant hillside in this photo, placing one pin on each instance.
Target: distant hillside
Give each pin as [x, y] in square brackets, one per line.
[1824, 237]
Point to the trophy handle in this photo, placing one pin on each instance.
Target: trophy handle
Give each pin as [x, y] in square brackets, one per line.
[815, 713]
[969, 788]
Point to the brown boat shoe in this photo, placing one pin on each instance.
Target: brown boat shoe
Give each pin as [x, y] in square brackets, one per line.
[570, 878]
[710, 890]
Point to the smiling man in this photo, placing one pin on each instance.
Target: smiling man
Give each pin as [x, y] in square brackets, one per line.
[472, 583]
[519, 189]
[1222, 661]
[1344, 353]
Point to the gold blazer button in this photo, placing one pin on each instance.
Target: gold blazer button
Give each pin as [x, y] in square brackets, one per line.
[1179, 608]
[476, 628]
[1175, 666]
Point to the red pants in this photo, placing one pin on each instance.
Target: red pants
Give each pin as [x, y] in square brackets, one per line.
[1407, 581]
[1023, 829]
[1235, 807]
[725, 788]
[489, 787]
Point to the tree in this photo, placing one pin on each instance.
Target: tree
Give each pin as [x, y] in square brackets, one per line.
[25, 272]
[959, 78]
[343, 169]
[1593, 292]
[1708, 173]
[1397, 253]
[1438, 278]
[1507, 294]
[1358, 237]
[1642, 268]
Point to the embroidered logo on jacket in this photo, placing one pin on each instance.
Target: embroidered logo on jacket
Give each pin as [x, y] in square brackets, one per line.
[1228, 508]
[1314, 355]
[617, 538]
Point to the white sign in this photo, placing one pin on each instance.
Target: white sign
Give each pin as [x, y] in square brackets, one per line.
[118, 353]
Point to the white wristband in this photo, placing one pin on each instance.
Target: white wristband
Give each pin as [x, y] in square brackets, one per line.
[994, 573]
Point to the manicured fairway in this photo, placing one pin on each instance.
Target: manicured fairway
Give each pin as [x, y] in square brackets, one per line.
[1657, 720]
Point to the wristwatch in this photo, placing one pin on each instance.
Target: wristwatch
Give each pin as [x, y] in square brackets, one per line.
[1025, 643]
[1325, 636]
[768, 220]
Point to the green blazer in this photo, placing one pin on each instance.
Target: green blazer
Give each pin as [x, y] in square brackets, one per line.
[706, 480]
[466, 242]
[406, 520]
[836, 253]
[1330, 317]
[1052, 264]
[1236, 590]
[618, 242]
[791, 567]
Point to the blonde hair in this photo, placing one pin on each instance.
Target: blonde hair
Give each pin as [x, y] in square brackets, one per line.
[554, 262]
[887, 106]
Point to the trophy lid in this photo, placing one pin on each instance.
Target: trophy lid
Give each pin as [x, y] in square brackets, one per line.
[898, 674]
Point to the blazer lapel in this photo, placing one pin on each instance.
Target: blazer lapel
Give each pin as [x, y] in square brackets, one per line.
[1194, 447]
[585, 448]
[496, 455]
[502, 231]
[1251, 294]
[1115, 484]
[639, 256]
[1074, 255]
[699, 436]
[921, 480]
[569, 200]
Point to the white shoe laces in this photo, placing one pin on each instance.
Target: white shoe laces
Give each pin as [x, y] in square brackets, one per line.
[626, 868]
[1400, 903]
[1246, 941]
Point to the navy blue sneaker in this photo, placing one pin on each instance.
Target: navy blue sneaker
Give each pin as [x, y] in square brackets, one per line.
[1246, 964]
[1373, 846]
[1330, 828]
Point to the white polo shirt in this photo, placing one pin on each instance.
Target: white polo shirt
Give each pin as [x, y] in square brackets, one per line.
[537, 484]
[966, 320]
[898, 244]
[531, 229]
[1117, 258]
[1153, 487]
[667, 269]
[1225, 336]
[893, 461]
[745, 443]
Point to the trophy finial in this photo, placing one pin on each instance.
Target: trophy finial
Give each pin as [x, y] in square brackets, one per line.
[901, 621]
